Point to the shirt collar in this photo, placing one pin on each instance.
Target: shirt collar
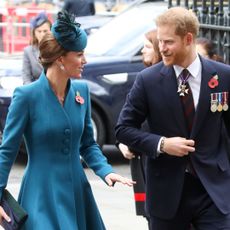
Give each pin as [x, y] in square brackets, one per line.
[194, 68]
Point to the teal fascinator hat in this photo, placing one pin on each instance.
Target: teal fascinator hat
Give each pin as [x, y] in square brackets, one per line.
[68, 33]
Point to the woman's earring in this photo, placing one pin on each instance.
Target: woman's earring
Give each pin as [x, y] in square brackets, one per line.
[62, 67]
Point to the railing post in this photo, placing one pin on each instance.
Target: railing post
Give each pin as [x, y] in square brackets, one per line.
[195, 10]
[203, 16]
[228, 15]
[226, 47]
[211, 16]
[169, 3]
[178, 2]
[220, 15]
[186, 4]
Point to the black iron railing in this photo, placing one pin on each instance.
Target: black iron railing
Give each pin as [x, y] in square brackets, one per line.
[214, 17]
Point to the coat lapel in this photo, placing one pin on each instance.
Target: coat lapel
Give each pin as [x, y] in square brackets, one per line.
[50, 96]
[204, 99]
[169, 88]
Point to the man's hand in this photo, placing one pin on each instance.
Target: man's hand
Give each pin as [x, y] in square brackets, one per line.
[178, 146]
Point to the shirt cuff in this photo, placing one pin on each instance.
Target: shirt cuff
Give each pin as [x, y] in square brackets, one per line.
[159, 146]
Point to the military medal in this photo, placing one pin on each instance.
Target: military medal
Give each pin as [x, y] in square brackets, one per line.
[182, 89]
[220, 107]
[213, 108]
[213, 102]
[225, 105]
[183, 86]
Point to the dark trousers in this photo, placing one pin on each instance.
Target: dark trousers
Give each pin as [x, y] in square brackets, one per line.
[196, 208]
[138, 175]
[137, 172]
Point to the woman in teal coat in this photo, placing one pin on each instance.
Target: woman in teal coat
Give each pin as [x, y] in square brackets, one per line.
[53, 115]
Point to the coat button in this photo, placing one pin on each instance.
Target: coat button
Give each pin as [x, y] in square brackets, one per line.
[67, 132]
[66, 141]
[65, 150]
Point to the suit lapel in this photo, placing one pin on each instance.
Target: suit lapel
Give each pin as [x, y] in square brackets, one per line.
[204, 98]
[169, 88]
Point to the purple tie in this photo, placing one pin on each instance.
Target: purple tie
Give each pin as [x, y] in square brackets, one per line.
[187, 100]
[189, 112]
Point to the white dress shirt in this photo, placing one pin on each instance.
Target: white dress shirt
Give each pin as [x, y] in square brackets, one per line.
[194, 80]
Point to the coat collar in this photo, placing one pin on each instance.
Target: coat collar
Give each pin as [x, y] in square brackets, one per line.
[44, 83]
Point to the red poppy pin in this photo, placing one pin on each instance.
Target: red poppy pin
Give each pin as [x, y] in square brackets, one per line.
[79, 99]
[213, 82]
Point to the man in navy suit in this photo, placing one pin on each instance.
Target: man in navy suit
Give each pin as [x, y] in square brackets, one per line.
[187, 167]
[80, 7]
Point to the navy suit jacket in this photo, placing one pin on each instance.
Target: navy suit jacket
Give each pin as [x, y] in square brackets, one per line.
[154, 97]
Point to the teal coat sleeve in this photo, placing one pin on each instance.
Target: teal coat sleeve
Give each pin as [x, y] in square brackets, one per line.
[89, 149]
[14, 128]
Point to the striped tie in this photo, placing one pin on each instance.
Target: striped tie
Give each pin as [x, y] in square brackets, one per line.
[189, 112]
[187, 100]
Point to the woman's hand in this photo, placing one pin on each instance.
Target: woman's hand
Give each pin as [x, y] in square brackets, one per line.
[125, 151]
[3, 215]
[112, 178]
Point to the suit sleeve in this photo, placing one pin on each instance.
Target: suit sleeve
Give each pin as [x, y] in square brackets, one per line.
[133, 114]
[12, 136]
[26, 68]
[89, 150]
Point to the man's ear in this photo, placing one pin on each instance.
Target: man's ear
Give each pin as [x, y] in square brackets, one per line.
[189, 38]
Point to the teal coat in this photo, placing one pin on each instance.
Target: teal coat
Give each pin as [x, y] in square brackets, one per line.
[55, 191]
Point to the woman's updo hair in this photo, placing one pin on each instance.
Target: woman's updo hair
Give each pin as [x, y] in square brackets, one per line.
[50, 50]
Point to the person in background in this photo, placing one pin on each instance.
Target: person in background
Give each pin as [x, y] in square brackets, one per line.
[53, 114]
[80, 7]
[32, 68]
[150, 55]
[150, 52]
[185, 101]
[205, 47]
